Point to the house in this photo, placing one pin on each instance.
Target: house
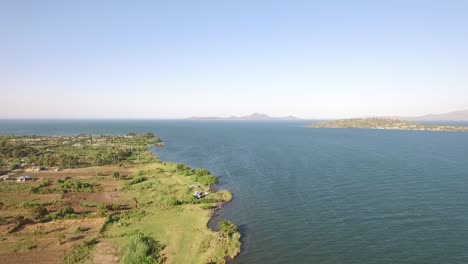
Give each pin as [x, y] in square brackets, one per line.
[24, 178]
[198, 195]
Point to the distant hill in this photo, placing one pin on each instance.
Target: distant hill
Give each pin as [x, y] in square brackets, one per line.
[255, 116]
[451, 116]
[386, 124]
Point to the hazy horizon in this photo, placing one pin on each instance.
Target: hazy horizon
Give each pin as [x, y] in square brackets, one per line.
[170, 60]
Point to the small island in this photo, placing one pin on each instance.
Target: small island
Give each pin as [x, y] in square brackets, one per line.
[385, 124]
[106, 199]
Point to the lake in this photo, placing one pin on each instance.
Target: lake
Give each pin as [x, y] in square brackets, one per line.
[306, 195]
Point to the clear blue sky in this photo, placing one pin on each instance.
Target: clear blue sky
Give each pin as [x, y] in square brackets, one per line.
[172, 59]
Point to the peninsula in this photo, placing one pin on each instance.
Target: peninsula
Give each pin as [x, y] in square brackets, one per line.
[106, 199]
[253, 117]
[385, 124]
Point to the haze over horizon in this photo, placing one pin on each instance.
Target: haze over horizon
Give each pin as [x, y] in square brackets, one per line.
[178, 59]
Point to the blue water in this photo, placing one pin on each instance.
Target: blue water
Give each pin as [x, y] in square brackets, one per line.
[320, 195]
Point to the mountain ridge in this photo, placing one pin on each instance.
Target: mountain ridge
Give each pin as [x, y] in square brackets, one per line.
[461, 115]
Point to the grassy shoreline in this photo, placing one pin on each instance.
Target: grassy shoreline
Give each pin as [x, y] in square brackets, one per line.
[111, 201]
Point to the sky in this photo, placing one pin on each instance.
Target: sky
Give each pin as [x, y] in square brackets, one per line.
[175, 59]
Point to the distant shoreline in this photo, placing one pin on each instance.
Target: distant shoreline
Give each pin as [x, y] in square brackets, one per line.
[386, 124]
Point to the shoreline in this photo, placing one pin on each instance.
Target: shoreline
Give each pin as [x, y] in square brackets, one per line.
[212, 212]
[386, 124]
[121, 186]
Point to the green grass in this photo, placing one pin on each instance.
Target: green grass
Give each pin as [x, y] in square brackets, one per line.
[80, 253]
[180, 227]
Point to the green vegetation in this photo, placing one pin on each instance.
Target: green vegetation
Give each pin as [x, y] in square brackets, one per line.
[75, 151]
[227, 228]
[142, 249]
[75, 185]
[112, 189]
[80, 253]
[174, 216]
[386, 124]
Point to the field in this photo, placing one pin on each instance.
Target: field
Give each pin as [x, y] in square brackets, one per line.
[133, 210]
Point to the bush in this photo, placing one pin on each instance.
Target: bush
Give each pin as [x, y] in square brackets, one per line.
[142, 249]
[116, 174]
[182, 168]
[207, 180]
[75, 185]
[227, 228]
[66, 210]
[168, 200]
[202, 172]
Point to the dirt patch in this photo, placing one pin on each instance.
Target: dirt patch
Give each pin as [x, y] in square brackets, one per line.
[34, 256]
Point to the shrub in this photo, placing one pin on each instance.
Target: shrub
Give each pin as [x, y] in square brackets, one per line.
[75, 185]
[116, 174]
[184, 169]
[202, 172]
[206, 179]
[142, 249]
[168, 200]
[66, 210]
[227, 228]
